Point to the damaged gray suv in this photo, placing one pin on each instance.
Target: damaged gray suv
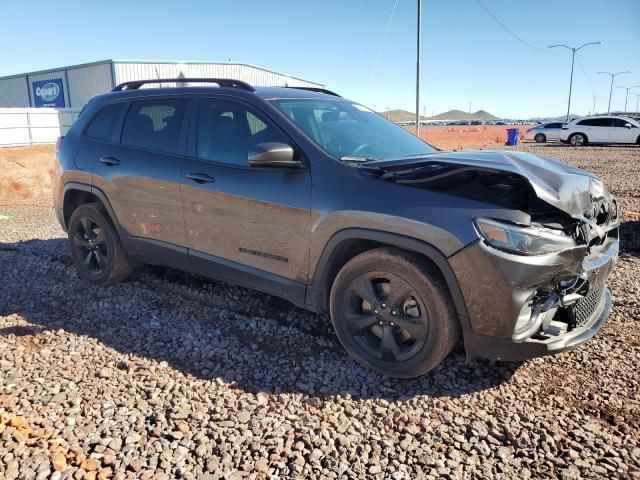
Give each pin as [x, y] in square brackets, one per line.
[305, 195]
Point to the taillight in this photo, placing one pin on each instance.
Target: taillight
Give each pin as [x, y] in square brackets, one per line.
[59, 144]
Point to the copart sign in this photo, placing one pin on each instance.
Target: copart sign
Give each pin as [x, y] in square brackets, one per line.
[48, 93]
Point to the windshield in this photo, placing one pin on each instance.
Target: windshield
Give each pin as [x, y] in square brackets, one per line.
[351, 132]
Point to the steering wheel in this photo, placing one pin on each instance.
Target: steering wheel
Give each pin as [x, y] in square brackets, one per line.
[358, 151]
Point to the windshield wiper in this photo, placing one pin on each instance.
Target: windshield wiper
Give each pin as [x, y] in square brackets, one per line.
[349, 159]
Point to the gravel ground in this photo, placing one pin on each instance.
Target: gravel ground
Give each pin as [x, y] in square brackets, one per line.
[173, 376]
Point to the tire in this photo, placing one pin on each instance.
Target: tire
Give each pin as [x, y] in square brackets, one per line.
[95, 246]
[540, 138]
[578, 140]
[414, 332]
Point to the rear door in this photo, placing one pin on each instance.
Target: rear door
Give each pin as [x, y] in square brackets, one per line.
[596, 129]
[140, 176]
[240, 218]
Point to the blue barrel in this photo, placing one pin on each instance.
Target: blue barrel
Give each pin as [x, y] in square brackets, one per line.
[512, 136]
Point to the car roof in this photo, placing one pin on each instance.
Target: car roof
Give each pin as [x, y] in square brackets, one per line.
[601, 116]
[267, 93]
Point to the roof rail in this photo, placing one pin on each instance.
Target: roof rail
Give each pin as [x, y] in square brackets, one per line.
[316, 89]
[223, 82]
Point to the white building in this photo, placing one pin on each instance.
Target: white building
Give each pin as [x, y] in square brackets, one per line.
[71, 87]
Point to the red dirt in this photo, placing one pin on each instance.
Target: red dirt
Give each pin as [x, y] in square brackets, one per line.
[467, 137]
[26, 175]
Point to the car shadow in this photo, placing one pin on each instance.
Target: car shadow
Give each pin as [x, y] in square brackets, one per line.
[630, 238]
[209, 330]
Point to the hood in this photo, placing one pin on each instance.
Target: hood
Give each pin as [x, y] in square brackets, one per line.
[576, 192]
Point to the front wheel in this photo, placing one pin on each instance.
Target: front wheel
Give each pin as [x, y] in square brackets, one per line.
[540, 138]
[578, 140]
[393, 313]
[95, 246]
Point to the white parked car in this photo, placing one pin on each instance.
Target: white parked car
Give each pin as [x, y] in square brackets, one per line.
[545, 132]
[601, 129]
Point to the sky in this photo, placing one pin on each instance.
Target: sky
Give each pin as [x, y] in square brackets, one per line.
[466, 56]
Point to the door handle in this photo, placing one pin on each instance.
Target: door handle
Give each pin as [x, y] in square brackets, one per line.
[109, 161]
[201, 177]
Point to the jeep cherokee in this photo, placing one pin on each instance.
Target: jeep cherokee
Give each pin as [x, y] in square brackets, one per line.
[303, 194]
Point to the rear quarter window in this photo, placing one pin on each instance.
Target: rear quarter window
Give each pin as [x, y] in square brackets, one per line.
[102, 124]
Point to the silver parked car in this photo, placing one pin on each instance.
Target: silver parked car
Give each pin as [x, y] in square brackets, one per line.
[545, 132]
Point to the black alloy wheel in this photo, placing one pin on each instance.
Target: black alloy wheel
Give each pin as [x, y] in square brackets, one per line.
[95, 246]
[90, 243]
[386, 317]
[392, 312]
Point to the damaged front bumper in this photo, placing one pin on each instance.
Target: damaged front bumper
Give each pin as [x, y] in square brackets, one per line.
[521, 307]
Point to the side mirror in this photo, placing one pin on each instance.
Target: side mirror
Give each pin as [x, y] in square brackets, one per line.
[628, 125]
[273, 154]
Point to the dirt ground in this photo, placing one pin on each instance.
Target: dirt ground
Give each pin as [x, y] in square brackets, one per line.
[468, 137]
[26, 175]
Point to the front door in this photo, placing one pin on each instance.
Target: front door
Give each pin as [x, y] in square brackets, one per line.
[620, 133]
[239, 218]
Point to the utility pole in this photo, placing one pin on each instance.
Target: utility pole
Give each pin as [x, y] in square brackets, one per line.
[418, 36]
[627, 97]
[424, 114]
[573, 58]
[612, 75]
[594, 105]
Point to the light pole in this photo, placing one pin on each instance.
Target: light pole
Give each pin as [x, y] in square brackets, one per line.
[594, 105]
[612, 75]
[573, 58]
[626, 99]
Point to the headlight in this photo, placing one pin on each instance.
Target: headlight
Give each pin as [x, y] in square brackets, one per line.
[522, 240]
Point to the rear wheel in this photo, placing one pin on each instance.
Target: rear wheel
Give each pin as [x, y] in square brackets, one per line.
[578, 140]
[95, 246]
[393, 313]
[540, 138]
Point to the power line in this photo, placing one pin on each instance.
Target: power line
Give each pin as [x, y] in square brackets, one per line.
[583, 70]
[507, 29]
[384, 37]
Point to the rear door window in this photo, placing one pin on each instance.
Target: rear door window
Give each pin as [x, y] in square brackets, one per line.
[596, 122]
[101, 127]
[553, 125]
[155, 124]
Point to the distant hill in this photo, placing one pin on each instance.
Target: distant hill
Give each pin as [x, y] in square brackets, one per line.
[404, 116]
[400, 116]
[460, 115]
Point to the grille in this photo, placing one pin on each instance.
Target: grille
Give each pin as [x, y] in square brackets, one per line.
[583, 309]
